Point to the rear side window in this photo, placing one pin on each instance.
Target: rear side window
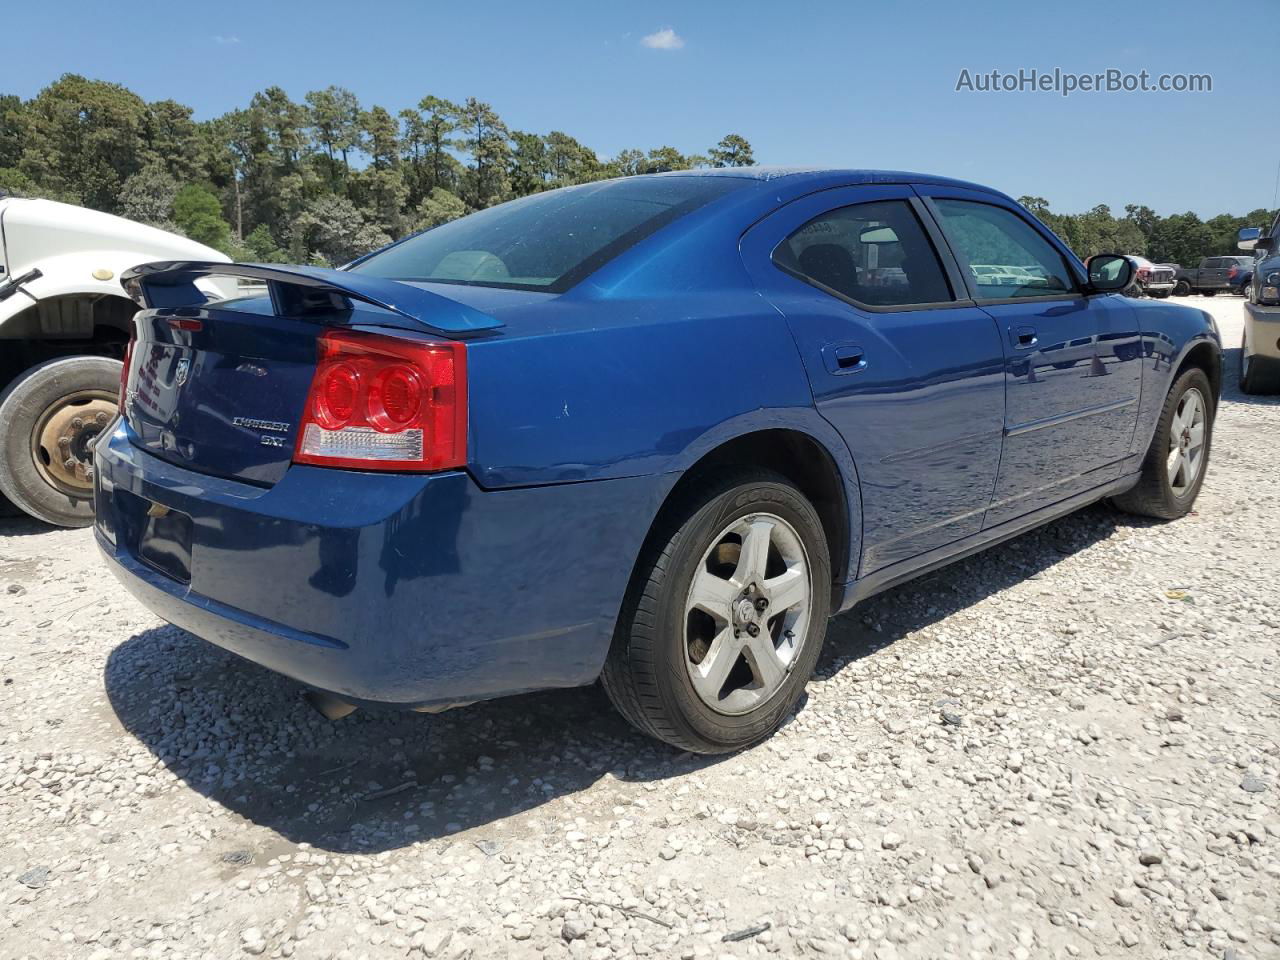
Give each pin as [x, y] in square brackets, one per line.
[875, 254]
[549, 241]
[1006, 257]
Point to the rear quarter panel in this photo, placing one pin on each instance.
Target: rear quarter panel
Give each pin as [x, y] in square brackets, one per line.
[629, 387]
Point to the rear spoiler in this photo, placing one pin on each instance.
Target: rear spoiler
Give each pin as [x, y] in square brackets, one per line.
[304, 291]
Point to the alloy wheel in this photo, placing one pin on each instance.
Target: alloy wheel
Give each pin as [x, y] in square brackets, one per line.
[1186, 442]
[747, 613]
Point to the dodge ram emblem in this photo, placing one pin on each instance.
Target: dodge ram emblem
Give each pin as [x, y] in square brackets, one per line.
[180, 374]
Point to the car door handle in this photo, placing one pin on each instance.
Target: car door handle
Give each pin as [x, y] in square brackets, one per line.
[1022, 337]
[843, 358]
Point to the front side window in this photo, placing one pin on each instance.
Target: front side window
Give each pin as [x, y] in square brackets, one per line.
[548, 241]
[1006, 257]
[875, 254]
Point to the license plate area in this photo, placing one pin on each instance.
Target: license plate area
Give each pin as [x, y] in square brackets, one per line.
[160, 536]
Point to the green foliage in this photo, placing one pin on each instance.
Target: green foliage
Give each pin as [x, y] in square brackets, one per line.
[333, 230]
[198, 215]
[323, 179]
[486, 140]
[148, 197]
[440, 207]
[18, 184]
[10, 130]
[664, 159]
[83, 138]
[1181, 238]
[259, 247]
[732, 151]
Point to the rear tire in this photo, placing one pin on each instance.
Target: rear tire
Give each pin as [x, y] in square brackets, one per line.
[691, 677]
[1182, 289]
[1163, 490]
[1258, 375]
[33, 409]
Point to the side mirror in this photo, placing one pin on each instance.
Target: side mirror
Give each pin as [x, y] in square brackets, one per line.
[1247, 238]
[1109, 272]
[1264, 245]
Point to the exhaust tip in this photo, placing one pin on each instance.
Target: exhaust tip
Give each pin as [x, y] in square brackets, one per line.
[329, 706]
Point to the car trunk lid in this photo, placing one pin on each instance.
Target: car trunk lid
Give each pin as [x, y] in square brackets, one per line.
[219, 388]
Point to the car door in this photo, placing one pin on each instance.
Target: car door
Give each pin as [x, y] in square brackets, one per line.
[1073, 366]
[1214, 274]
[908, 372]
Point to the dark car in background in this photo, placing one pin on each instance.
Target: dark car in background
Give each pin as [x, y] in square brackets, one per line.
[1215, 274]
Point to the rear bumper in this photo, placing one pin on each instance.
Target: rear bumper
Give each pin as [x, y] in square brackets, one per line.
[412, 590]
[1262, 331]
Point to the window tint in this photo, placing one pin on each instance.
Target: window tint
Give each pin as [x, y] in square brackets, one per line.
[1006, 256]
[873, 253]
[548, 241]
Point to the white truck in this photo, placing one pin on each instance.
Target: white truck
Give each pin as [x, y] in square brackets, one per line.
[64, 324]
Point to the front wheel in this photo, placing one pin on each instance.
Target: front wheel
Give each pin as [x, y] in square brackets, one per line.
[1173, 470]
[49, 418]
[725, 618]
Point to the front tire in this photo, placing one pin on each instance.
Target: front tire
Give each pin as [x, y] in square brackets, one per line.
[1174, 468]
[725, 617]
[49, 418]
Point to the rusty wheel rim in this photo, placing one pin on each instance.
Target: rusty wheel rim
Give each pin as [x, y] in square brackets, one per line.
[62, 441]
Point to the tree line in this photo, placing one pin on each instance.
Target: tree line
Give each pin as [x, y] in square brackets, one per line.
[323, 180]
[327, 179]
[1181, 238]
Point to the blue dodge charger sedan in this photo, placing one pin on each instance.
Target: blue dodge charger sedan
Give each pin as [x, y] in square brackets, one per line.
[654, 431]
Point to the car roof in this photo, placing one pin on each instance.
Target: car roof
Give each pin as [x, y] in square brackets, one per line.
[819, 177]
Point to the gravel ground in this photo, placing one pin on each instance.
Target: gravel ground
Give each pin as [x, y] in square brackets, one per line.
[1066, 746]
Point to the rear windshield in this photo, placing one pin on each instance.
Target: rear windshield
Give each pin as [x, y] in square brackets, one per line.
[548, 241]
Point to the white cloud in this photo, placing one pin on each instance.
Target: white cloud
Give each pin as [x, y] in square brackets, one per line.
[228, 39]
[664, 39]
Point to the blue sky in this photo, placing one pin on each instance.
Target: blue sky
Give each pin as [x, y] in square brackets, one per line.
[833, 84]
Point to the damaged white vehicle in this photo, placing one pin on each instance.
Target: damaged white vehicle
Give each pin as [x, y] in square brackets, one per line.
[64, 325]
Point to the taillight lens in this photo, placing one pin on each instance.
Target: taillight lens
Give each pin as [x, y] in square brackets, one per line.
[1231, 274]
[124, 371]
[385, 403]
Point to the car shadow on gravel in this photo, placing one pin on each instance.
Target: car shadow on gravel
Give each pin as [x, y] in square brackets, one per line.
[379, 780]
[1231, 391]
[17, 524]
[888, 617]
[376, 780]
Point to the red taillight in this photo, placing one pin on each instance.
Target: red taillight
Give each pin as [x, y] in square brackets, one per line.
[1231, 274]
[124, 371]
[385, 403]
